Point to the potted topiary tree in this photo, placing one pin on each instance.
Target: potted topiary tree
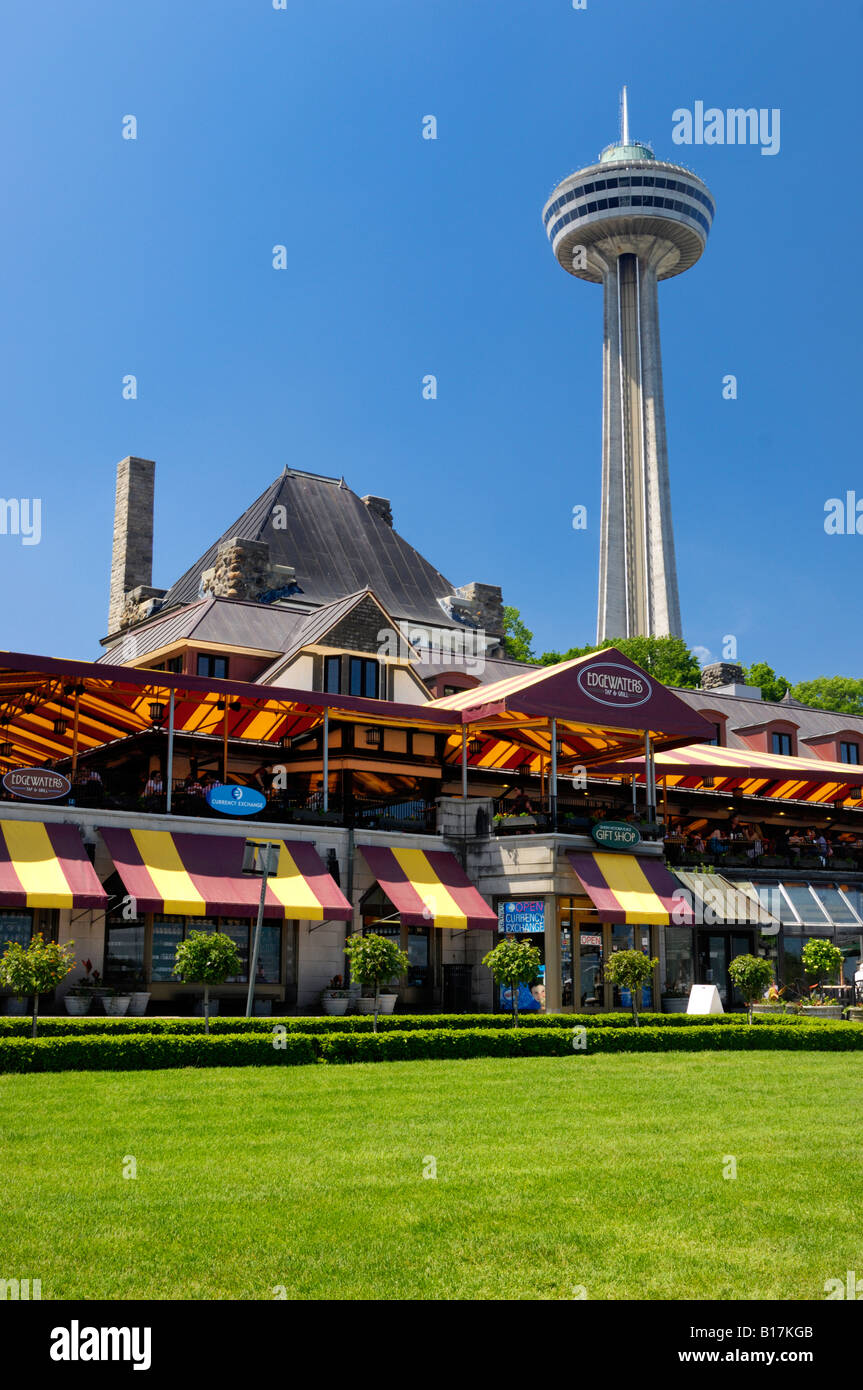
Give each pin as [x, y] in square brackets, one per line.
[630, 970]
[751, 975]
[822, 961]
[207, 958]
[513, 964]
[373, 959]
[36, 968]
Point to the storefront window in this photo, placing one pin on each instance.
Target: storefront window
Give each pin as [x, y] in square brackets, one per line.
[16, 927]
[167, 935]
[237, 928]
[270, 954]
[124, 953]
[850, 944]
[628, 938]
[679, 960]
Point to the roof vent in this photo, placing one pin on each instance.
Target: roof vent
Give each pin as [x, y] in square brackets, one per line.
[381, 506]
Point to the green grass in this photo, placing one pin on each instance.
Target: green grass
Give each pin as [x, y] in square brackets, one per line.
[601, 1171]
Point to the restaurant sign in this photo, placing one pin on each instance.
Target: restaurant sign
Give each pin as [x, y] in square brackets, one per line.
[614, 685]
[526, 915]
[616, 834]
[235, 800]
[36, 783]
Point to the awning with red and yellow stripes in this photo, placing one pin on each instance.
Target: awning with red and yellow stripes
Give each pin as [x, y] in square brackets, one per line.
[429, 888]
[202, 876]
[46, 865]
[624, 888]
[775, 776]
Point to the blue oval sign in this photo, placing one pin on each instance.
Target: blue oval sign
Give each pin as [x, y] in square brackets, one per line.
[234, 800]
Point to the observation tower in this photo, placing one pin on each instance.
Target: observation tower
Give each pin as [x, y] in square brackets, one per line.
[626, 223]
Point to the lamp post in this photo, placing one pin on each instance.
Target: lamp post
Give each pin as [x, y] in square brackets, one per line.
[259, 857]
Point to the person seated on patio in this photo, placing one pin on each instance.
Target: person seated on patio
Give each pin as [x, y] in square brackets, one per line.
[522, 805]
[154, 789]
[754, 839]
[823, 848]
[696, 843]
[716, 842]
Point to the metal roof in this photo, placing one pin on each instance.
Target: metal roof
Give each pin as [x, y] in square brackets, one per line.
[336, 544]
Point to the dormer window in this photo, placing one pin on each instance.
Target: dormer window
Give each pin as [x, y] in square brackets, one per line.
[849, 753]
[781, 743]
[365, 677]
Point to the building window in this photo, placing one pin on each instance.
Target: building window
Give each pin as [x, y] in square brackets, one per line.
[333, 675]
[16, 926]
[450, 690]
[781, 743]
[716, 741]
[213, 666]
[174, 664]
[365, 677]
[169, 931]
[849, 753]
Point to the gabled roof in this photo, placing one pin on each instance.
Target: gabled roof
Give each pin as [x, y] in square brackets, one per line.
[316, 626]
[234, 622]
[335, 543]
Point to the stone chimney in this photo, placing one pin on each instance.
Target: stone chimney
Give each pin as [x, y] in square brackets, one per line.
[719, 673]
[381, 506]
[243, 570]
[132, 554]
[486, 602]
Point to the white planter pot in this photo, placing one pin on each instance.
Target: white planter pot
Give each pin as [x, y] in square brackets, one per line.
[138, 1002]
[77, 1005]
[116, 1005]
[388, 1003]
[16, 1006]
[335, 1007]
[367, 1006]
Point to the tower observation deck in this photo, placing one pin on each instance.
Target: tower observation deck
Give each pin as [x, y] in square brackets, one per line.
[626, 223]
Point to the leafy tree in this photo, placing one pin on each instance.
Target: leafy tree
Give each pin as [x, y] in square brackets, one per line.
[375, 958]
[517, 636]
[207, 958]
[772, 687]
[822, 960]
[36, 968]
[630, 970]
[514, 963]
[667, 659]
[841, 693]
[751, 975]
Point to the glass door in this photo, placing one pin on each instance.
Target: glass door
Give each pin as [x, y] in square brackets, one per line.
[716, 951]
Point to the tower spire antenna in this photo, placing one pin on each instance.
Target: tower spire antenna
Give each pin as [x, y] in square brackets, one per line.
[624, 118]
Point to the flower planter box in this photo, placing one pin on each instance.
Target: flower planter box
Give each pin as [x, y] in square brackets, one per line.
[769, 1008]
[821, 1011]
[516, 823]
[855, 1014]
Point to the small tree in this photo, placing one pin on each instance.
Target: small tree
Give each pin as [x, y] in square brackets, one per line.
[36, 968]
[514, 963]
[630, 970]
[751, 975]
[822, 960]
[207, 958]
[373, 959]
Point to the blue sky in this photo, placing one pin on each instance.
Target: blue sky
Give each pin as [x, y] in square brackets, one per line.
[406, 256]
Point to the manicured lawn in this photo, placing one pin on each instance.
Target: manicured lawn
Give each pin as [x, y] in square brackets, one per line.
[602, 1171]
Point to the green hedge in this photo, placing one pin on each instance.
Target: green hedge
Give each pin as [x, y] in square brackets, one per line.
[95, 1052]
[127, 1052]
[363, 1023]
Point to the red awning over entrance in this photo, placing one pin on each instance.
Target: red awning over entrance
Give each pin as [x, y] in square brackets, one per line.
[429, 888]
[629, 889]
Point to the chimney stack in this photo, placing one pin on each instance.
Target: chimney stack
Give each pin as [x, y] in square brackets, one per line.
[132, 554]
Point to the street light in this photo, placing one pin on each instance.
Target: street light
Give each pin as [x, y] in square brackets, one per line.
[259, 857]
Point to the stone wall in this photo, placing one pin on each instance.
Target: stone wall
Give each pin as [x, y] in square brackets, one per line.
[486, 606]
[721, 673]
